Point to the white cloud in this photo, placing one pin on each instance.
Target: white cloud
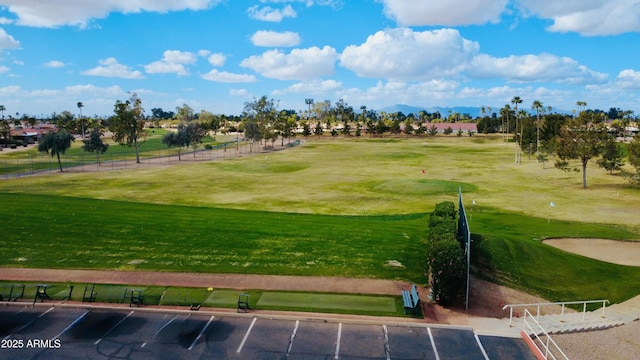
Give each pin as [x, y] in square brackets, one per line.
[54, 64]
[204, 53]
[5, 21]
[7, 41]
[217, 59]
[316, 87]
[173, 61]
[275, 39]
[444, 12]
[3, 69]
[270, 14]
[52, 13]
[628, 79]
[240, 92]
[299, 64]
[398, 92]
[227, 77]
[538, 68]
[308, 3]
[587, 17]
[110, 67]
[407, 55]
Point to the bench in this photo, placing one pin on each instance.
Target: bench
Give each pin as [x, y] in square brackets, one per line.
[411, 300]
[92, 293]
[135, 297]
[243, 302]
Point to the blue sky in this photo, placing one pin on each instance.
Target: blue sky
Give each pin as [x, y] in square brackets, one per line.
[215, 55]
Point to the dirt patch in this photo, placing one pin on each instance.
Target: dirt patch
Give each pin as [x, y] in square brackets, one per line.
[613, 251]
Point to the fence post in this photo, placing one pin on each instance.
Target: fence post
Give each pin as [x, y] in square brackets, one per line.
[510, 314]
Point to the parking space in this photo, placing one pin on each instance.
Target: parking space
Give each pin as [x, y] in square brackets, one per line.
[314, 340]
[410, 343]
[75, 333]
[456, 344]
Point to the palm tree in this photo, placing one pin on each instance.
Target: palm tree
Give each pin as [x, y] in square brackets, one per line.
[537, 106]
[80, 106]
[515, 101]
[2, 109]
[581, 104]
[505, 112]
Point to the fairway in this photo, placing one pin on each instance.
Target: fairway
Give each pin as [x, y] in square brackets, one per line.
[363, 177]
[332, 207]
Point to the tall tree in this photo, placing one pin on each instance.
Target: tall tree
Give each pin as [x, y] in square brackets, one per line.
[55, 143]
[634, 159]
[127, 125]
[515, 101]
[80, 106]
[580, 139]
[94, 143]
[184, 113]
[2, 109]
[263, 112]
[537, 106]
[194, 134]
[5, 131]
[612, 156]
[176, 139]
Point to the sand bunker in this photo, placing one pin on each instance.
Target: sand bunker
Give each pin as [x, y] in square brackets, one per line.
[617, 252]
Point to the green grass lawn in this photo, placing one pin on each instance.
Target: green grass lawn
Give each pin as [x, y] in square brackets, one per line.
[150, 146]
[510, 251]
[105, 234]
[330, 207]
[214, 298]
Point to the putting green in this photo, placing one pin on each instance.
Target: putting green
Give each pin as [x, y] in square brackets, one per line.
[222, 298]
[328, 301]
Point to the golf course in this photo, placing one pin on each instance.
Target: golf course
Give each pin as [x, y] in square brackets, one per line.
[343, 207]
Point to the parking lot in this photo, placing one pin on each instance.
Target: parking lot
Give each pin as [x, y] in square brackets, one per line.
[83, 333]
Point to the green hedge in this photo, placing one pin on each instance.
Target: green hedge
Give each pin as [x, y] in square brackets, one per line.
[446, 260]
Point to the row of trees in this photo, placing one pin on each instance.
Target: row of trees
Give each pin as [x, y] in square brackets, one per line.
[582, 137]
[565, 137]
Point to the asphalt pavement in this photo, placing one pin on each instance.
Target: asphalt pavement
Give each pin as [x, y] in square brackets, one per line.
[76, 332]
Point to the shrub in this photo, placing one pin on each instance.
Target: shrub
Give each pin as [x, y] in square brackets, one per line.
[445, 209]
[442, 228]
[448, 271]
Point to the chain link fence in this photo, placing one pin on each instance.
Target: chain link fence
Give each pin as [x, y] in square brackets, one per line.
[20, 166]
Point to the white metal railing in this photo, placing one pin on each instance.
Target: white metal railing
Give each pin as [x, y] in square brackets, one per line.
[563, 304]
[551, 349]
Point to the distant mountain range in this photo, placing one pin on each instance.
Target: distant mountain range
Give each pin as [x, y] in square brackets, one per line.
[473, 112]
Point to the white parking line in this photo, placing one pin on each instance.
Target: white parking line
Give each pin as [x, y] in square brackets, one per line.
[113, 328]
[27, 324]
[293, 336]
[246, 335]
[481, 347]
[387, 350]
[433, 344]
[201, 332]
[338, 341]
[72, 324]
[159, 330]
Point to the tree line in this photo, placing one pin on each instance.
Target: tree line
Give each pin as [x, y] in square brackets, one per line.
[583, 135]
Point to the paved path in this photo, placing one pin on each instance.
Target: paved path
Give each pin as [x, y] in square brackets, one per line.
[226, 281]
